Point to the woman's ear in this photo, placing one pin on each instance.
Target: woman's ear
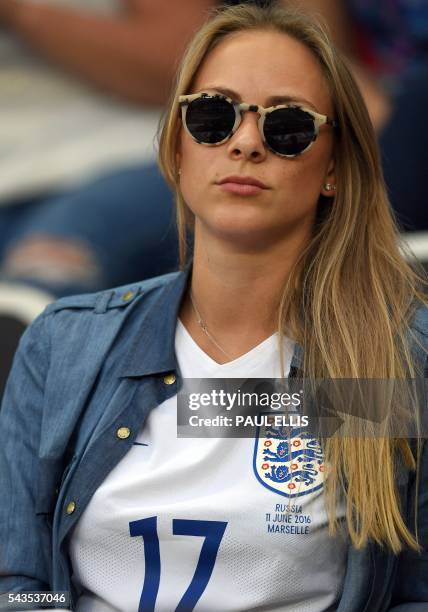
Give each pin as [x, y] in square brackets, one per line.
[329, 186]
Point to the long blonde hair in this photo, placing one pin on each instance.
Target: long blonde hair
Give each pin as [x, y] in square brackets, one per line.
[349, 298]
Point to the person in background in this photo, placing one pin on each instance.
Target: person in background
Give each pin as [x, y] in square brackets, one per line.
[81, 85]
[82, 204]
[386, 44]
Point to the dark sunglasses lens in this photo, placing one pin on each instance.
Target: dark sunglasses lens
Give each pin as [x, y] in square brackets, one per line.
[210, 120]
[289, 131]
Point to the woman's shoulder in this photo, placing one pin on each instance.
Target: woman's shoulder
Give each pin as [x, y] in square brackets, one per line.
[114, 298]
[419, 320]
[85, 329]
[418, 325]
[92, 321]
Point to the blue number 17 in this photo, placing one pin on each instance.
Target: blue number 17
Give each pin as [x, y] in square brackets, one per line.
[212, 531]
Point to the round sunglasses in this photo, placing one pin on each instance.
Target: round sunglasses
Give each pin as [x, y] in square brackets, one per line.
[286, 129]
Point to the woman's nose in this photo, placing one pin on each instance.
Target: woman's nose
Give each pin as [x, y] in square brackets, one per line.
[247, 141]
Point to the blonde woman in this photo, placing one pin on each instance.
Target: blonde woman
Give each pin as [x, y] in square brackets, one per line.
[296, 271]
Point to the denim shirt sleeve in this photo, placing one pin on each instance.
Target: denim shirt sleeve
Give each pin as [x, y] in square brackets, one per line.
[57, 361]
[411, 583]
[29, 567]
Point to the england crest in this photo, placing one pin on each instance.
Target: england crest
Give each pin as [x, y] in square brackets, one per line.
[288, 460]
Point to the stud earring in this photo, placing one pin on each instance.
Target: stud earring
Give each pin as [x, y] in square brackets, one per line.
[329, 187]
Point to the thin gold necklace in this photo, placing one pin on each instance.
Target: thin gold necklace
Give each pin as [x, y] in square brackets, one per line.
[204, 327]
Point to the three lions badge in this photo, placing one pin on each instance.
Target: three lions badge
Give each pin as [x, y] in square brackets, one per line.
[288, 460]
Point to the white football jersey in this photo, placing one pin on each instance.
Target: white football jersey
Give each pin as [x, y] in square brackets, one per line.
[210, 525]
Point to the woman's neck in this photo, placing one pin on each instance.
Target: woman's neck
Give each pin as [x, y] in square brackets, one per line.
[235, 300]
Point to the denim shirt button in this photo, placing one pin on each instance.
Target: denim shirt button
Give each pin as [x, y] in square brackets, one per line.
[127, 296]
[71, 507]
[123, 433]
[169, 379]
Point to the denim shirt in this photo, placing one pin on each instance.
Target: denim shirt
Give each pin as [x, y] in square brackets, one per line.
[93, 364]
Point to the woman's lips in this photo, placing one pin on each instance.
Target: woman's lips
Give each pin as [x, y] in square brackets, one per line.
[243, 189]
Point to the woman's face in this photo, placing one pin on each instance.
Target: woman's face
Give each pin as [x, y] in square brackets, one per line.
[254, 67]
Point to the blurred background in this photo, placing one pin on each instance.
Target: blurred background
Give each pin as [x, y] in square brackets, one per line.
[82, 85]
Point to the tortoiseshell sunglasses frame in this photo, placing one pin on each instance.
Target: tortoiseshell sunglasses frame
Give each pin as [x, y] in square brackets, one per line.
[241, 107]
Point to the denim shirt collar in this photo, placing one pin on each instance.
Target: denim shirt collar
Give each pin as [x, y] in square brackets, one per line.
[153, 350]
